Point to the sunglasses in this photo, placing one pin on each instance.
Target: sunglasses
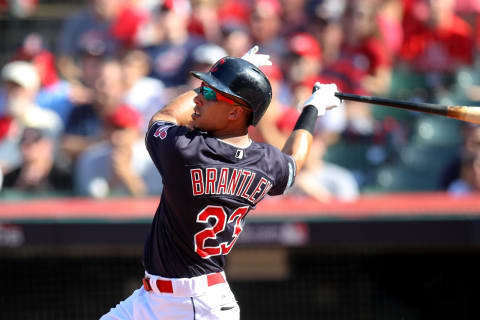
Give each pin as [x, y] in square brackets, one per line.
[211, 95]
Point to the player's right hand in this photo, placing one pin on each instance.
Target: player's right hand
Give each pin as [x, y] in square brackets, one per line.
[323, 98]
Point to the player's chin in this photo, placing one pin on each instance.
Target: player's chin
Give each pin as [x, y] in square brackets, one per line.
[196, 123]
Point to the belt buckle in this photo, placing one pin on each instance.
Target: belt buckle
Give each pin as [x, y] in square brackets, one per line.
[165, 286]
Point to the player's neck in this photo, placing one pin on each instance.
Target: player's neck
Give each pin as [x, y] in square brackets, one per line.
[241, 140]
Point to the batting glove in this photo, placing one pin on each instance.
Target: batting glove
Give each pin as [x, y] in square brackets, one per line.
[257, 59]
[323, 98]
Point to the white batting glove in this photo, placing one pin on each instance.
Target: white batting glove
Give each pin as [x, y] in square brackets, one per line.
[323, 98]
[257, 59]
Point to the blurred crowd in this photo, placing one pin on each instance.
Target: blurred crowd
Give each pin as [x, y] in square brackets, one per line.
[73, 117]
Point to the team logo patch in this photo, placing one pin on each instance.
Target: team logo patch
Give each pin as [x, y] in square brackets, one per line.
[219, 63]
[239, 154]
[161, 132]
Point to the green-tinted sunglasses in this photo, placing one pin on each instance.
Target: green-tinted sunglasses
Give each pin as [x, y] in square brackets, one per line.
[211, 95]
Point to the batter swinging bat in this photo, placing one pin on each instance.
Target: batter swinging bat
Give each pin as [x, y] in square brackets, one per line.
[466, 113]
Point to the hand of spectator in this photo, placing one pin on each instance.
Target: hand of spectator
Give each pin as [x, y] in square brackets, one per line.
[257, 59]
[323, 98]
[79, 94]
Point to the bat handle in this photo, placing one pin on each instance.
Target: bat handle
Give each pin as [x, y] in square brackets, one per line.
[341, 95]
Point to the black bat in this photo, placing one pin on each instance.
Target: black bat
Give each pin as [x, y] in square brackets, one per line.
[466, 113]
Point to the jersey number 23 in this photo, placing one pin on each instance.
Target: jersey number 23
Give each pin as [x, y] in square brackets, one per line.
[219, 214]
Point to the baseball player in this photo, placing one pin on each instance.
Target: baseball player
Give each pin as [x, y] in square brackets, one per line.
[213, 175]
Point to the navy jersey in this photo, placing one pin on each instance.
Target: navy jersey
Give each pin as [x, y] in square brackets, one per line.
[209, 187]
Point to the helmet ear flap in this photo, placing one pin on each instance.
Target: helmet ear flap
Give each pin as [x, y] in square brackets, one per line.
[241, 79]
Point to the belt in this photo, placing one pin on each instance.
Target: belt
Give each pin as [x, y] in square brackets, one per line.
[166, 286]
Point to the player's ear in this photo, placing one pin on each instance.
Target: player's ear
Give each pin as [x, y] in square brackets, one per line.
[235, 113]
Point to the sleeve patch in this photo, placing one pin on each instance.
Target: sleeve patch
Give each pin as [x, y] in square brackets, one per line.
[161, 132]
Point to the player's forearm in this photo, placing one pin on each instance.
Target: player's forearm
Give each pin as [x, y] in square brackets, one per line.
[179, 110]
[298, 146]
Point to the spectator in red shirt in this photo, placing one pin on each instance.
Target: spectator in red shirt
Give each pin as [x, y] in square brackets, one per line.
[304, 59]
[436, 39]
[363, 50]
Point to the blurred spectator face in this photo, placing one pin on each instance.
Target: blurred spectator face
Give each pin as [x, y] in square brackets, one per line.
[265, 20]
[237, 41]
[359, 21]
[173, 19]
[441, 9]
[327, 27]
[305, 60]
[136, 65]
[331, 37]
[107, 9]
[293, 7]
[204, 12]
[110, 87]
[173, 22]
[36, 147]
[302, 67]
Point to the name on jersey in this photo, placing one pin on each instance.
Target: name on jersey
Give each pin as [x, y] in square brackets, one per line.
[229, 181]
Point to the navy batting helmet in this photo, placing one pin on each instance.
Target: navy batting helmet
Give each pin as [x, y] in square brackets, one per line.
[241, 79]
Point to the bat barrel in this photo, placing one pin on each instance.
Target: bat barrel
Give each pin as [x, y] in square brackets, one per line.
[408, 105]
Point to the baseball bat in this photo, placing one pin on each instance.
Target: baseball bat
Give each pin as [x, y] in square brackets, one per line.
[465, 113]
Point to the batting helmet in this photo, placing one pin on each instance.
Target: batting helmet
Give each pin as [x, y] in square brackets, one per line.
[241, 79]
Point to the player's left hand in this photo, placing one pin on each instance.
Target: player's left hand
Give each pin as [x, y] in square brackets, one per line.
[257, 59]
[323, 98]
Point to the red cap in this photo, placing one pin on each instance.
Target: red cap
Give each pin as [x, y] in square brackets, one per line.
[124, 117]
[305, 44]
[233, 11]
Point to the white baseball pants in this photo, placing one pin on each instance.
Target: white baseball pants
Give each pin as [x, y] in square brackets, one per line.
[195, 298]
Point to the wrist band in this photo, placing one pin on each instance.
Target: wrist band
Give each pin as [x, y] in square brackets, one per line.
[307, 119]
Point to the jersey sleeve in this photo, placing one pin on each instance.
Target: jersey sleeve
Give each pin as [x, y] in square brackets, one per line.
[161, 140]
[284, 170]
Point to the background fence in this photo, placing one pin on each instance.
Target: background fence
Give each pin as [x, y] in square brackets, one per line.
[412, 261]
[355, 285]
